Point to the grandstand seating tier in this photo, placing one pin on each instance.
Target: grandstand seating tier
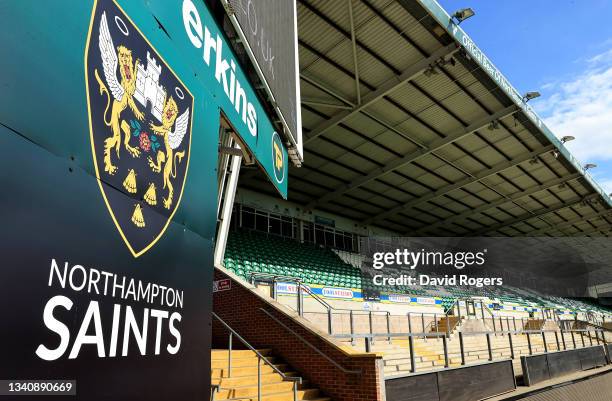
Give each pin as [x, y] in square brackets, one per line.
[253, 252]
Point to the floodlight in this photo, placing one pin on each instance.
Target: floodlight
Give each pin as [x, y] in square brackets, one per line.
[463, 14]
[531, 95]
[431, 70]
[589, 166]
[567, 138]
[442, 62]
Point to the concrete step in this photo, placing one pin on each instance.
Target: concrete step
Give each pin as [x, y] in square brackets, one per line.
[237, 353]
[237, 381]
[245, 371]
[243, 384]
[238, 362]
[420, 365]
[468, 359]
[281, 396]
[251, 390]
[311, 394]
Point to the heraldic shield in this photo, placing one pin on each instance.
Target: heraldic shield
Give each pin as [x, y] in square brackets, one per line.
[140, 117]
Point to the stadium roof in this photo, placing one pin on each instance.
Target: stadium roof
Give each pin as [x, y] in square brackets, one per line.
[408, 126]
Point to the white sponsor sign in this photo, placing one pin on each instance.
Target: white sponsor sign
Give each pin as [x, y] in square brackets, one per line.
[337, 293]
[400, 298]
[426, 301]
[288, 288]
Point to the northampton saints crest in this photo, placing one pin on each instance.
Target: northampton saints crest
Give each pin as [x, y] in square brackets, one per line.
[140, 117]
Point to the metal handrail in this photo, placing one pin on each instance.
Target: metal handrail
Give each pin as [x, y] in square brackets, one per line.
[332, 309]
[475, 333]
[300, 282]
[300, 296]
[597, 326]
[315, 296]
[295, 379]
[318, 298]
[214, 389]
[249, 346]
[373, 335]
[273, 276]
[336, 364]
[454, 326]
[428, 330]
[485, 307]
[451, 309]
[465, 333]
[509, 333]
[432, 326]
[297, 280]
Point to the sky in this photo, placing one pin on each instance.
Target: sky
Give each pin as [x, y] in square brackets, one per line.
[562, 49]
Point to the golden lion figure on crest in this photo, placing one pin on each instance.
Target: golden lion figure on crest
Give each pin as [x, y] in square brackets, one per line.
[122, 92]
[166, 160]
[172, 140]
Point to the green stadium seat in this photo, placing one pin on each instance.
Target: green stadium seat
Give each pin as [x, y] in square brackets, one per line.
[249, 252]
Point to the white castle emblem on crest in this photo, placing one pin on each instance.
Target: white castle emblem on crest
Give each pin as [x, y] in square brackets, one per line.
[148, 87]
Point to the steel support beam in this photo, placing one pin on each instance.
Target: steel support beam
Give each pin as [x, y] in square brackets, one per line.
[599, 229]
[510, 198]
[324, 103]
[461, 183]
[570, 222]
[388, 86]
[408, 136]
[526, 216]
[323, 87]
[409, 158]
[354, 45]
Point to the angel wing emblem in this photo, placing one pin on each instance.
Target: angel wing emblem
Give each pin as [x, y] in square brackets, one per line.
[169, 160]
[180, 129]
[111, 62]
[109, 59]
[140, 116]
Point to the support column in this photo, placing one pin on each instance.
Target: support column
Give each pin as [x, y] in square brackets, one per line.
[226, 209]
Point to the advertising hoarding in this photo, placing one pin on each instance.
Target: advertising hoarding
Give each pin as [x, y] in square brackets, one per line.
[110, 126]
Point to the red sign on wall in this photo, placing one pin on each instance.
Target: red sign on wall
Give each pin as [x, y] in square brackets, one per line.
[222, 285]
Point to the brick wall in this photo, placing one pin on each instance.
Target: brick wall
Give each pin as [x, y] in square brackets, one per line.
[240, 308]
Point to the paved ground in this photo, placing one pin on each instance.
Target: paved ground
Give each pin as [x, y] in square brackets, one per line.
[597, 388]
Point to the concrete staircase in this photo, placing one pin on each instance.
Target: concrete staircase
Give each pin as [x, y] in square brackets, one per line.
[242, 385]
[534, 324]
[450, 323]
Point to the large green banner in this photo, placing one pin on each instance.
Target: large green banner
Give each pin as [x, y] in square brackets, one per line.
[110, 114]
